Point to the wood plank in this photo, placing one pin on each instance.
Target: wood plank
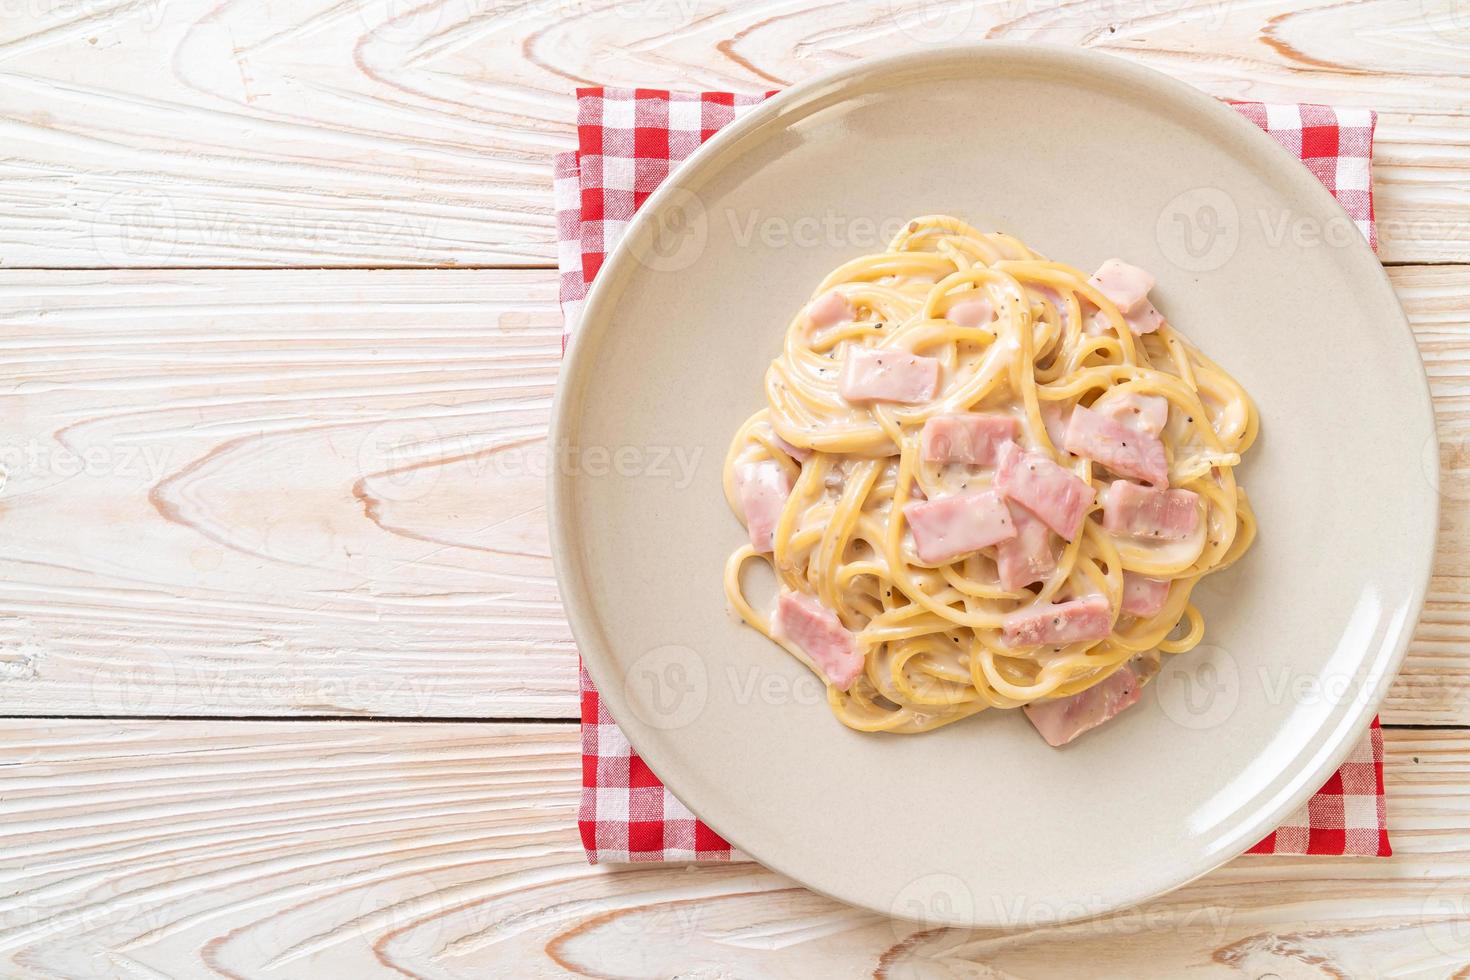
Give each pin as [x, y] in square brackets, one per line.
[248, 493]
[373, 132]
[240, 493]
[326, 849]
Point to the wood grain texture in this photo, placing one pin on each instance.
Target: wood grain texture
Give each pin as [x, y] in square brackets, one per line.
[240, 493]
[249, 493]
[380, 132]
[371, 849]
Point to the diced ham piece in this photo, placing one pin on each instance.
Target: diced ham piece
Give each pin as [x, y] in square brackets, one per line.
[1055, 299]
[763, 487]
[1077, 621]
[798, 453]
[1126, 285]
[1052, 492]
[819, 634]
[829, 309]
[887, 375]
[1092, 435]
[1141, 413]
[1055, 416]
[1060, 720]
[1160, 515]
[1144, 596]
[971, 312]
[966, 437]
[1030, 556]
[1145, 319]
[947, 527]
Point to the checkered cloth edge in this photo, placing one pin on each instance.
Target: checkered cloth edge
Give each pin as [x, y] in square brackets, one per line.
[1345, 816]
[628, 142]
[566, 193]
[627, 814]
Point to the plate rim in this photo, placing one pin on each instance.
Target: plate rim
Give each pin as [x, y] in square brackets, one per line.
[570, 570]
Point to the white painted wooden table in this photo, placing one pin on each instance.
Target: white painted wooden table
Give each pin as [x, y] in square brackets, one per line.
[285, 684]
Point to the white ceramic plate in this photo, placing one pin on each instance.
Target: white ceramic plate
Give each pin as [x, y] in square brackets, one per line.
[1082, 157]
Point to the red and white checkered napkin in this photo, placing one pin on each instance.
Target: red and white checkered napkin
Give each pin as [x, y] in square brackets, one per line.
[628, 141]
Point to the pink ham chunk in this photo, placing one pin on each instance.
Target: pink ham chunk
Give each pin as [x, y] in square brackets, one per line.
[1052, 492]
[798, 453]
[971, 312]
[1055, 416]
[1144, 596]
[763, 487]
[1030, 556]
[1141, 413]
[947, 527]
[887, 375]
[1145, 319]
[1126, 285]
[1060, 720]
[1054, 298]
[1160, 515]
[1092, 435]
[1083, 620]
[966, 437]
[829, 309]
[814, 629]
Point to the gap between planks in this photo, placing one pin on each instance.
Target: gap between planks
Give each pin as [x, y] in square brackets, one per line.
[462, 720]
[421, 267]
[374, 267]
[376, 719]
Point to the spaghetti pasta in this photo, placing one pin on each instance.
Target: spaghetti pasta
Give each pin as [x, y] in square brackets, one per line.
[998, 396]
